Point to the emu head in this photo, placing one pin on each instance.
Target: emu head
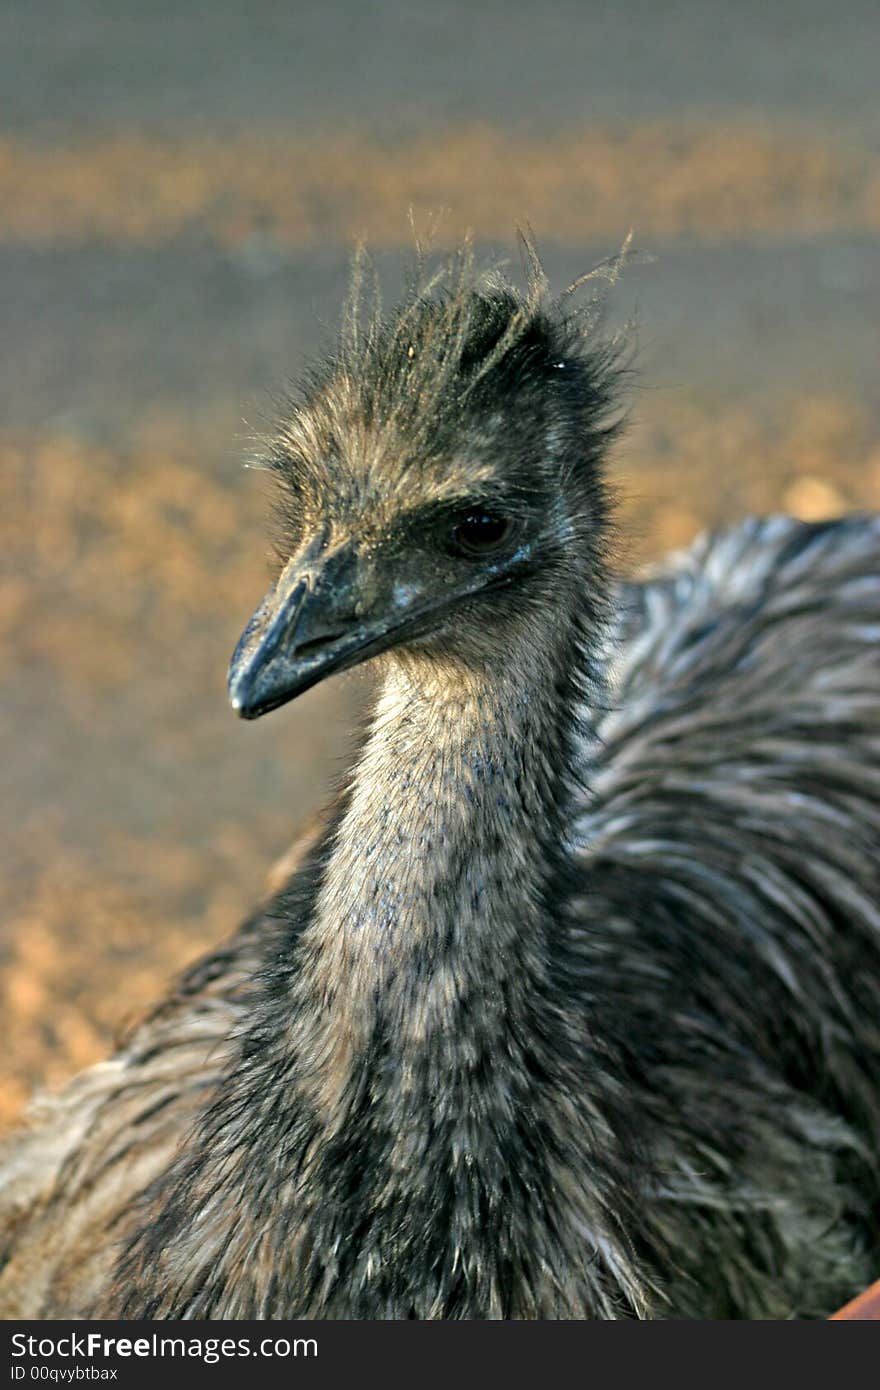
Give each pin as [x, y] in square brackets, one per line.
[440, 486]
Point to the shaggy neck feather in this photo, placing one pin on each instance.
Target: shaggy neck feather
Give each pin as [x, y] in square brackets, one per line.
[432, 1138]
[441, 864]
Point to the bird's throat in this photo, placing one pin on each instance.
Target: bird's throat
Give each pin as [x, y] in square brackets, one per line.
[433, 906]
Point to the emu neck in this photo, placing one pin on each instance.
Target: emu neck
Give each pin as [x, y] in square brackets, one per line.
[440, 1039]
[435, 892]
[433, 1137]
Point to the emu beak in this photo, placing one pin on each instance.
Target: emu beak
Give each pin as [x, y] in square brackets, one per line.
[304, 630]
[328, 611]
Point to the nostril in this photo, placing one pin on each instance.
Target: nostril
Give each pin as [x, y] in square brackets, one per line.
[314, 644]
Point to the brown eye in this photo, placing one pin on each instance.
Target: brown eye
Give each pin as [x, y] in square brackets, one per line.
[481, 533]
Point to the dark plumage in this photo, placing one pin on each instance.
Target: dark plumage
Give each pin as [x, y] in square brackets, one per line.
[572, 1008]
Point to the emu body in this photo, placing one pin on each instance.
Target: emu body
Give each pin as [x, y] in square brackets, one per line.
[573, 1008]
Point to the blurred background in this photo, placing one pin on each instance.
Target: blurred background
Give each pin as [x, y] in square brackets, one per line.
[180, 185]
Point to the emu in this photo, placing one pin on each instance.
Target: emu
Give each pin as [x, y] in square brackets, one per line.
[571, 1008]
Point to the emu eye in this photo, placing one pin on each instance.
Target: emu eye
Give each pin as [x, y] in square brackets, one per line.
[481, 533]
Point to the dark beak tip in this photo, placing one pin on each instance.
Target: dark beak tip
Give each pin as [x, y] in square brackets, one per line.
[246, 709]
[237, 688]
